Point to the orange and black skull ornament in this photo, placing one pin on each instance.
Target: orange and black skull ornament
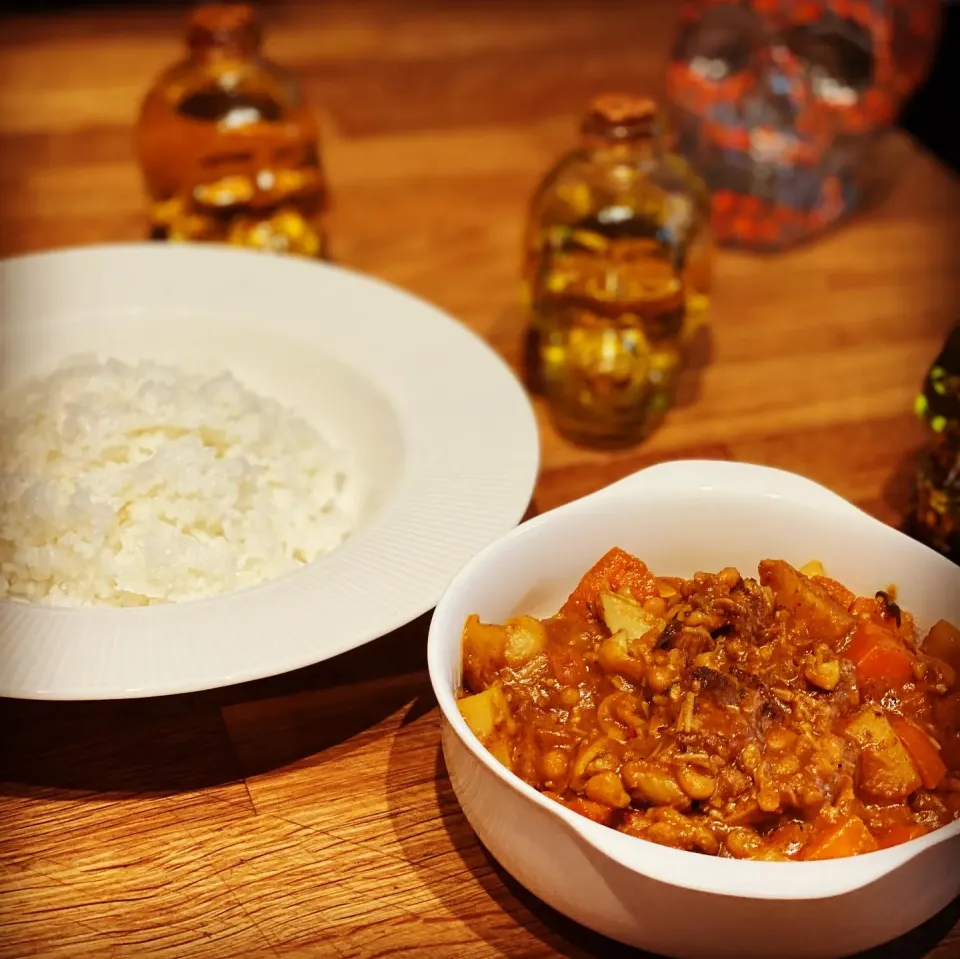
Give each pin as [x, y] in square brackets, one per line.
[776, 101]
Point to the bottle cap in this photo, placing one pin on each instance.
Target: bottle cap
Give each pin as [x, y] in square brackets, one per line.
[223, 25]
[620, 116]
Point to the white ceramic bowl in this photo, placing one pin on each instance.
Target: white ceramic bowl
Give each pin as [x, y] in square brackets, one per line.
[680, 518]
[441, 433]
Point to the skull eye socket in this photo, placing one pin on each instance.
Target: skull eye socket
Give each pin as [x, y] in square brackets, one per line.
[232, 108]
[721, 43]
[838, 56]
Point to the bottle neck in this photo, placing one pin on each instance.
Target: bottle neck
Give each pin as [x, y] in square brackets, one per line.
[223, 53]
[622, 150]
[223, 32]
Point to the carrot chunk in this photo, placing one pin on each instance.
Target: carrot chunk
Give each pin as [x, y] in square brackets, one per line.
[923, 753]
[618, 571]
[902, 832]
[592, 810]
[879, 656]
[848, 837]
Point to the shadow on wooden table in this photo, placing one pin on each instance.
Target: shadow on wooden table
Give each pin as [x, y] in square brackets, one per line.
[179, 743]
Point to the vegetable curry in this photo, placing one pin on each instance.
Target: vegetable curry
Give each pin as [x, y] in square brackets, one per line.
[776, 718]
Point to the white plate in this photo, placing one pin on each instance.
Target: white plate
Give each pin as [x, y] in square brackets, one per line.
[428, 411]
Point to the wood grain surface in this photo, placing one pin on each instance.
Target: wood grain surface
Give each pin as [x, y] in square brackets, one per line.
[310, 815]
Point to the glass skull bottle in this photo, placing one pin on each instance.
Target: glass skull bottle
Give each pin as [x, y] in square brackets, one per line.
[780, 104]
[617, 275]
[228, 148]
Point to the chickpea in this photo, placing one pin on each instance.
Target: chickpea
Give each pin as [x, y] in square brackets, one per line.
[666, 590]
[614, 658]
[554, 765]
[605, 762]
[661, 678]
[652, 785]
[750, 757]
[824, 675]
[786, 765]
[570, 697]
[606, 788]
[779, 738]
[822, 668]
[742, 842]
[526, 637]
[695, 784]
[729, 576]
[655, 606]
[768, 798]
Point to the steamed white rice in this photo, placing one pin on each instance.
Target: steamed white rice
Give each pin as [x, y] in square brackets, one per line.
[138, 484]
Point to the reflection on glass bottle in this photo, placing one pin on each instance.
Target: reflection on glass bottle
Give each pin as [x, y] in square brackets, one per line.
[618, 266]
[228, 149]
[936, 518]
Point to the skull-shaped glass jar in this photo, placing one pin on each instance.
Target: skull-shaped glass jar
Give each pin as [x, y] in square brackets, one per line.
[618, 271]
[228, 149]
[776, 103]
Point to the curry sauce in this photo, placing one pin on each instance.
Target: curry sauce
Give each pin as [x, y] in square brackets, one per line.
[774, 718]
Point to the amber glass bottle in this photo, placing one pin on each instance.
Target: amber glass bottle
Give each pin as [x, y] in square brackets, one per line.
[618, 262]
[228, 149]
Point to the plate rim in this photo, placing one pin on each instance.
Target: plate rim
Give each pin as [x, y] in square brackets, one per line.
[425, 588]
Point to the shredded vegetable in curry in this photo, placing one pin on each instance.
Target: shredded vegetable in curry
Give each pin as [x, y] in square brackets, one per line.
[777, 718]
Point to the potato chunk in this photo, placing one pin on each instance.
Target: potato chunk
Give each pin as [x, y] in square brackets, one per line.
[483, 653]
[812, 605]
[486, 713]
[615, 570]
[623, 615]
[886, 770]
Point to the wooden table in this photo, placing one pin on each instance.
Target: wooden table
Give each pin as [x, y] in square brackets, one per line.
[310, 815]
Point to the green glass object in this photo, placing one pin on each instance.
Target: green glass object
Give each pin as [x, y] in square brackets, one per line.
[618, 263]
[936, 517]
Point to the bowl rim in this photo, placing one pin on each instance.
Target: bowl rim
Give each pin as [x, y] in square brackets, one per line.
[745, 879]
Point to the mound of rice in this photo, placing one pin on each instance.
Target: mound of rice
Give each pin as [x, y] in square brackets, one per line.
[129, 485]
